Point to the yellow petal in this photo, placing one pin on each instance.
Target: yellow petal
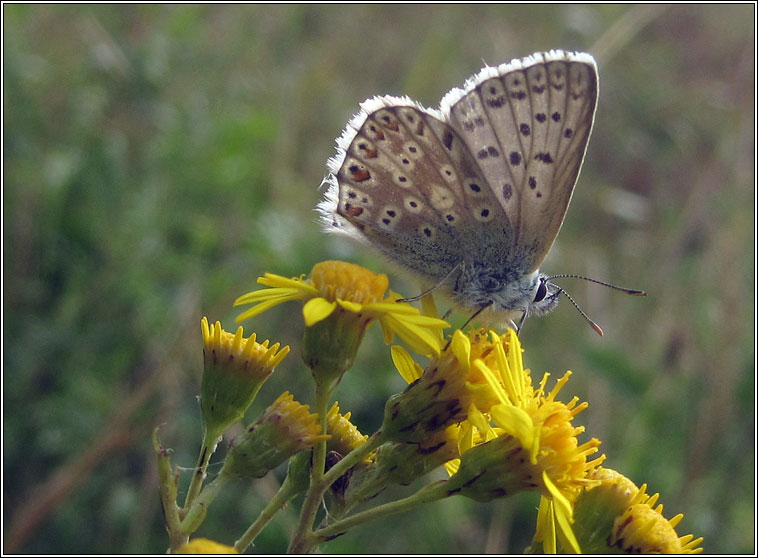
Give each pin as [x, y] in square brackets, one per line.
[564, 515]
[425, 321]
[428, 306]
[514, 389]
[515, 422]
[546, 525]
[465, 437]
[515, 360]
[272, 280]
[452, 466]
[349, 305]
[492, 381]
[417, 338]
[462, 349]
[392, 308]
[205, 546]
[262, 307]
[477, 418]
[266, 294]
[409, 370]
[317, 309]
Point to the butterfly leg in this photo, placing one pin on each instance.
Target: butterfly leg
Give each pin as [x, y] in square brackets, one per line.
[520, 323]
[457, 267]
[475, 314]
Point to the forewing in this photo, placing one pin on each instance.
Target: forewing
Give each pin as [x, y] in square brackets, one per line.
[528, 124]
[408, 182]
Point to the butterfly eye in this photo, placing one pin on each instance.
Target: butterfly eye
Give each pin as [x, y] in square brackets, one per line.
[490, 284]
[541, 291]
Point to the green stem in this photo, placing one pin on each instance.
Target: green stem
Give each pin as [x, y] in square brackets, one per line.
[352, 458]
[430, 493]
[196, 514]
[317, 488]
[210, 441]
[168, 481]
[285, 494]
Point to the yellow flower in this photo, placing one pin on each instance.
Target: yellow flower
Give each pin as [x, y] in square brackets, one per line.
[235, 368]
[615, 515]
[525, 441]
[435, 399]
[343, 288]
[345, 436]
[205, 546]
[284, 429]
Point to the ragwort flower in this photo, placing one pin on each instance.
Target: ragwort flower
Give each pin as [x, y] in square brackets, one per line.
[335, 286]
[234, 370]
[285, 428]
[340, 301]
[532, 444]
[615, 516]
[205, 546]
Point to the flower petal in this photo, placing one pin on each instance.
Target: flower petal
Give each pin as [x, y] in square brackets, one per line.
[393, 307]
[349, 305]
[493, 382]
[425, 321]
[546, 525]
[272, 280]
[477, 418]
[263, 306]
[510, 377]
[406, 366]
[515, 422]
[461, 346]
[563, 513]
[417, 338]
[266, 294]
[515, 360]
[317, 309]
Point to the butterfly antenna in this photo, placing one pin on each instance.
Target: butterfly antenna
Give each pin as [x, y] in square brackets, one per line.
[594, 326]
[616, 287]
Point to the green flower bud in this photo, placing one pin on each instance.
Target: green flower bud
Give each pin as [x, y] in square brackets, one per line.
[235, 369]
[283, 430]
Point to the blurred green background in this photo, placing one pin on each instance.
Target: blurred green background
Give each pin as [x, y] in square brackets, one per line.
[157, 159]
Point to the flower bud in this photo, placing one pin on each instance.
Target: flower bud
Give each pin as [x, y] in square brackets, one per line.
[283, 430]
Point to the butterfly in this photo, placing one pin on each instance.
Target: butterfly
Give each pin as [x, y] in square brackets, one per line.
[470, 197]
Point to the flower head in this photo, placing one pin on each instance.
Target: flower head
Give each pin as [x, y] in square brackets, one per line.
[614, 515]
[341, 288]
[435, 399]
[205, 546]
[525, 440]
[345, 436]
[235, 368]
[284, 429]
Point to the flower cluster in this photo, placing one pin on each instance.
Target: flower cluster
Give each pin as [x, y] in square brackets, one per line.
[472, 408]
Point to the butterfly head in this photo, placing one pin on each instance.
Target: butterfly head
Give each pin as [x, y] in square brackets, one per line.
[546, 297]
[506, 296]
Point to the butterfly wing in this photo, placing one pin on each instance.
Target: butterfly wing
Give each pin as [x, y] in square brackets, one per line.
[407, 182]
[528, 124]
